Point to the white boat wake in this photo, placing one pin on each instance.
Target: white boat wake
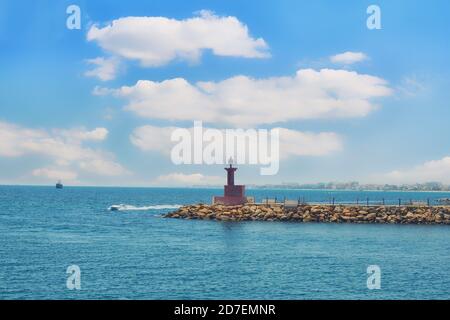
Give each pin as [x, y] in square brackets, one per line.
[127, 207]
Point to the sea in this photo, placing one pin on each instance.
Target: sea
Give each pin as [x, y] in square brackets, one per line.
[135, 253]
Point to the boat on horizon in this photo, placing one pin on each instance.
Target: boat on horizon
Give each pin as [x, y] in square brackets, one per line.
[59, 185]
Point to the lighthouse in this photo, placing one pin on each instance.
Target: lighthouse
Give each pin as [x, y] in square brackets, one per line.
[232, 194]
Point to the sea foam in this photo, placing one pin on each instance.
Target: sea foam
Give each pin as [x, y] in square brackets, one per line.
[127, 207]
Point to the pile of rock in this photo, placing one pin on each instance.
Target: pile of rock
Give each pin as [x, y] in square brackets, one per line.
[316, 213]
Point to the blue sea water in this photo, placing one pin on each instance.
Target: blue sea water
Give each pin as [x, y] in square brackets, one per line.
[136, 254]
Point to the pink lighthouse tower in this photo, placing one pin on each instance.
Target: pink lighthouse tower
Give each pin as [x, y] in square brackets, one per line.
[233, 194]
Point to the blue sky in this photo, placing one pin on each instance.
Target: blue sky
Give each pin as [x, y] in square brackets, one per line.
[47, 101]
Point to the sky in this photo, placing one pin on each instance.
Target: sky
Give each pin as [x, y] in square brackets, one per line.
[96, 105]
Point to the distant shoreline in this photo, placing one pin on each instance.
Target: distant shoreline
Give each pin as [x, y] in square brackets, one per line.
[350, 190]
[220, 187]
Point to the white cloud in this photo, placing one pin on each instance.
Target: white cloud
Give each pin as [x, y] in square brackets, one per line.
[151, 138]
[348, 57]
[155, 41]
[243, 101]
[55, 174]
[100, 91]
[81, 134]
[102, 166]
[296, 143]
[292, 142]
[105, 68]
[63, 148]
[411, 86]
[195, 179]
[434, 170]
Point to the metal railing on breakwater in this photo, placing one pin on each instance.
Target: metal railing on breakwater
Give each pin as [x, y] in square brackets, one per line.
[357, 202]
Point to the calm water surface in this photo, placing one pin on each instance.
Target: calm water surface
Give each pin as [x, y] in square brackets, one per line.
[136, 254]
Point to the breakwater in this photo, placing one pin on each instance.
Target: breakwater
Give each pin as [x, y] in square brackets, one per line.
[316, 213]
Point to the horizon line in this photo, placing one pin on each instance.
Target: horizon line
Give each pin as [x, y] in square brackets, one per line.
[269, 187]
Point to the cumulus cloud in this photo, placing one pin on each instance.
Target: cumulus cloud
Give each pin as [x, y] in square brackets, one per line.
[155, 41]
[64, 148]
[292, 142]
[243, 101]
[434, 170]
[81, 134]
[55, 174]
[348, 57]
[104, 68]
[297, 143]
[102, 166]
[195, 179]
[152, 138]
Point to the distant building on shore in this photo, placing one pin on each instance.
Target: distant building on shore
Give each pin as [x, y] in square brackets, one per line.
[355, 186]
